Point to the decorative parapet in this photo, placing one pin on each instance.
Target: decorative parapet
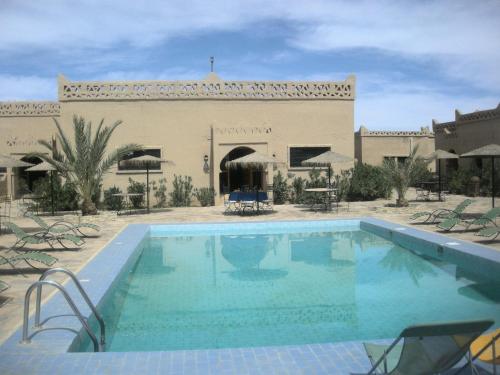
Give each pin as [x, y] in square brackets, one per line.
[445, 128]
[424, 132]
[210, 88]
[487, 114]
[29, 109]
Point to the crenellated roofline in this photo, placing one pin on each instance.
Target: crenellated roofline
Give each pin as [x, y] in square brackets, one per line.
[30, 109]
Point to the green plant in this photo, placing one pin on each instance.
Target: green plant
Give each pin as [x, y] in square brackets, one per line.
[296, 190]
[280, 189]
[401, 175]
[111, 202]
[205, 195]
[458, 181]
[160, 192]
[65, 197]
[343, 183]
[422, 172]
[135, 187]
[84, 162]
[367, 183]
[181, 191]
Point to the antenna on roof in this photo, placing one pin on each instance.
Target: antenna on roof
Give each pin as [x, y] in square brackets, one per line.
[211, 64]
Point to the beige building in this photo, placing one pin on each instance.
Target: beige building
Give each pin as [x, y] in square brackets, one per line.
[197, 124]
[372, 147]
[468, 132]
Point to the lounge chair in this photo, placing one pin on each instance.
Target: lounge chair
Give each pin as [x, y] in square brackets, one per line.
[488, 218]
[61, 226]
[491, 232]
[426, 349]
[28, 257]
[264, 200]
[442, 213]
[42, 237]
[3, 286]
[232, 202]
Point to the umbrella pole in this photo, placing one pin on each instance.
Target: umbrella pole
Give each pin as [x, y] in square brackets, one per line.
[493, 181]
[329, 186]
[52, 191]
[147, 186]
[439, 176]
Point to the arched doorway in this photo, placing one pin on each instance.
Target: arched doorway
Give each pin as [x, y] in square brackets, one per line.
[27, 180]
[242, 178]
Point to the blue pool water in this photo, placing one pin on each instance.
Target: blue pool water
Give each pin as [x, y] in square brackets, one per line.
[284, 287]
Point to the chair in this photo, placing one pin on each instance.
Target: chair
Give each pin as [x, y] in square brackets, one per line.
[491, 232]
[426, 349]
[443, 213]
[264, 200]
[42, 237]
[31, 256]
[247, 200]
[231, 204]
[488, 218]
[61, 226]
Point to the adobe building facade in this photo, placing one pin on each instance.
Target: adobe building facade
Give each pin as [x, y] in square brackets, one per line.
[372, 147]
[199, 125]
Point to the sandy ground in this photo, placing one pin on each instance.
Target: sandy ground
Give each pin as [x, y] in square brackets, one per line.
[111, 224]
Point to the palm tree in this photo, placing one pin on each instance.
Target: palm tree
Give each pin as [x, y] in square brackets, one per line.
[402, 174]
[85, 162]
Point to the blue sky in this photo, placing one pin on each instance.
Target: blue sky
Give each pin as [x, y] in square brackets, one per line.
[414, 60]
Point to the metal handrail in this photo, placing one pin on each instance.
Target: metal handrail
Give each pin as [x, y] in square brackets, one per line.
[71, 304]
[84, 294]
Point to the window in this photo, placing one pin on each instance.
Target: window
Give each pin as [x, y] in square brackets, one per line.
[299, 154]
[399, 159]
[125, 165]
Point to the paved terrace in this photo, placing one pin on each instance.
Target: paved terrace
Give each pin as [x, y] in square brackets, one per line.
[111, 224]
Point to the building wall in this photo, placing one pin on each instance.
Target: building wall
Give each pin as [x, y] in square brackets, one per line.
[373, 146]
[188, 120]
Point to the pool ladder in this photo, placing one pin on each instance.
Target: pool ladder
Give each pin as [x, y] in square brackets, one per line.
[99, 345]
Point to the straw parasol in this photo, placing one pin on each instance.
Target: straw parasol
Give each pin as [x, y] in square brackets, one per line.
[327, 159]
[147, 161]
[489, 151]
[439, 155]
[253, 160]
[46, 167]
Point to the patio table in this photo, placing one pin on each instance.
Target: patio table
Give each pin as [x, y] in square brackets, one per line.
[327, 195]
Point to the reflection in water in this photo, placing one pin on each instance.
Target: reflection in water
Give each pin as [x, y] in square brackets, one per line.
[246, 253]
[154, 260]
[399, 259]
[315, 250]
[484, 292]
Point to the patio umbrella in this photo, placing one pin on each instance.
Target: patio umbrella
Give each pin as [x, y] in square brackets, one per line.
[438, 155]
[253, 160]
[147, 161]
[46, 167]
[327, 159]
[489, 151]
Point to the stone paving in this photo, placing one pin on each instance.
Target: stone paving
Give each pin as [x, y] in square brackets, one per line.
[111, 224]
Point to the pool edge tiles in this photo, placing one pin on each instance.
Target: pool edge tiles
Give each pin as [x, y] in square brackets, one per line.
[48, 351]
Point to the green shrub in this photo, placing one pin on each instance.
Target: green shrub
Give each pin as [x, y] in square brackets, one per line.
[280, 189]
[110, 202]
[181, 192]
[421, 172]
[160, 192]
[343, 183]
[315, 181]
[205, 195]
[459, 180]
[135, 187]
[368, 183]
[296, 190]
[65, 195]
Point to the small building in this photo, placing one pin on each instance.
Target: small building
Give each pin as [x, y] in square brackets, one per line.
[372, 147]
[198, 124]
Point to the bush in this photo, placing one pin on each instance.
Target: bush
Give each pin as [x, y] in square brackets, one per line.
[343, 183]
[315, 181]
[368, 183]
[280, 189]
[296, 190]
[160, 192]
[459, 180]
[110, 202]
[181, 192]
[65, 195]
[205, 195]
[135, 187]
[421, 172]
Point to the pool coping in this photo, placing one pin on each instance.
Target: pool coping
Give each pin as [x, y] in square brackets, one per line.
[102, 270]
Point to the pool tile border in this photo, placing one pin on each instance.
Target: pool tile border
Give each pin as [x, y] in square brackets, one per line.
[48, 351]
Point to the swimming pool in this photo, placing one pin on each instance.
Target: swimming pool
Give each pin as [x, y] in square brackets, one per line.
[209, 286]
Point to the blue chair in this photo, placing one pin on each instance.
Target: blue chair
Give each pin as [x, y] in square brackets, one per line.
[264, 200]
[232, 203]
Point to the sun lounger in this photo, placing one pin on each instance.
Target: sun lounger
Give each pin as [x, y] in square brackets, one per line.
[3, 286]
[61, 226]
[42, 237]
[28, 257]
[488, 218]
[442, 213]
[426, 349]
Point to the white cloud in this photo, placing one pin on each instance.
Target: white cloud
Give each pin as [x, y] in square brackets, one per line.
[27, 87]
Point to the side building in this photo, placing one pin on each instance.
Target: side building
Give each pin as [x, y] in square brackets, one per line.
[372, 147]
[199, 125]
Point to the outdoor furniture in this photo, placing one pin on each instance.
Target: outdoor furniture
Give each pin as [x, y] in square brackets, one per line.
[426, 349]
[442, 213]
[62, 226]
[27, 257]
[440, 155]
[264, 201]
[31, 202]
[425, 189]
[41, 237]
[5, 206]
[3, 286]
[488, 218]
[491, 232]
[486, 348]
[246, 201]
[127, 203]
[326, 195]
[232, 202]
